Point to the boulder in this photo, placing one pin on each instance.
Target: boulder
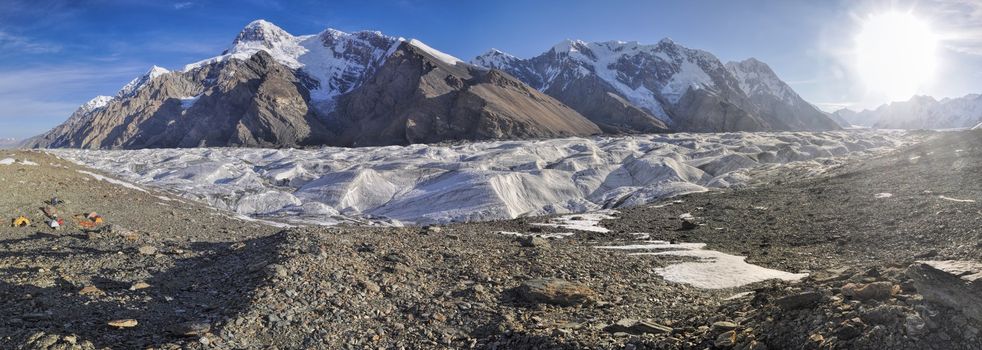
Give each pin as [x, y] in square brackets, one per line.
[804, 300]
[875, 290]
[556, 292]
[953, 283]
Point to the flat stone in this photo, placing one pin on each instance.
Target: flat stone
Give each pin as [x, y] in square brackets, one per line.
[140, 285]
[533, 241]
[190, 329]
[953, 283]
[147, 250]
[637, 327]
[123, 323]
[556, 292]
[870, 291]
[804, 300]
[91, 291]
[725, 326]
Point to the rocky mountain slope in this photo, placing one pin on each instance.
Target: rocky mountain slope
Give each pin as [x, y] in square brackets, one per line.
[921, 112]
[273, 89]
[422, 96]
[630, 87]
[780, 105]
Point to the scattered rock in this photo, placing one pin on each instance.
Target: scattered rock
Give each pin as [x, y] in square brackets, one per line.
[91, 291]
[123, 323]
[533, 241]
[147, 249]
[803, 300]
[556, 292]
[637, 327]
[689, 224]
[370, 286]
[882, 314]
[871, 291]
[725, 326]
[848, 330]
[140, 285]
[726, 340]
[190, 329]
[954, 283]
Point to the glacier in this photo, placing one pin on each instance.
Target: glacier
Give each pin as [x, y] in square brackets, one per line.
[444, 183]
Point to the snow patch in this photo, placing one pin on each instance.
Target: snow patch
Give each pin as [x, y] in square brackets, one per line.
[883, 195]
[582, 222]
[448, 59]
[711, 270]
[957, 200]
[112, 181]
[12, 161]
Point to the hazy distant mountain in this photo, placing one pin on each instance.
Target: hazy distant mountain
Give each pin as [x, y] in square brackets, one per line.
[8, 143]
[627, 86]
[921, 112]
[271, 88]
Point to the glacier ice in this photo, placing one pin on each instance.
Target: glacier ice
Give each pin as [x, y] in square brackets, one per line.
[423, 184]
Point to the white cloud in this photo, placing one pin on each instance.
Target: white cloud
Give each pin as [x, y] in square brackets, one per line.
[15, 43]
[34, 99]
[183, 5]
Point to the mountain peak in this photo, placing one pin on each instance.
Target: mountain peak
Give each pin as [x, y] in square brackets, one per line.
[136, 84]
[262, 31]
[95, 103]
[568, 45]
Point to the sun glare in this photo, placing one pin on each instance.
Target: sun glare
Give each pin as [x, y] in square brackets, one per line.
[896, 54]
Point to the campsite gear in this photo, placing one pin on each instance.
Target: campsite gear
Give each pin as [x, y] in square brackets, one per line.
[20, 221]
[54, 201]
[50, 212]
[96, 218]
[88, 221]
[54, 223]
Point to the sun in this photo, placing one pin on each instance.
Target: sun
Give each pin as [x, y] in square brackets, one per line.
[895, 54]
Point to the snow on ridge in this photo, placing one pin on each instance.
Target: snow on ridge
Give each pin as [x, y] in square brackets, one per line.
[139, 82]
[337, 60]
[473, 181]
[445, 58]
[95, 103]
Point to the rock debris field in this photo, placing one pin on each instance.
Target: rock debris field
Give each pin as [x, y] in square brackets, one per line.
[795, 256]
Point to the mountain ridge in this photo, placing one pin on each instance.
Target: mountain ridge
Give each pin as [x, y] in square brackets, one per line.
[659, 88]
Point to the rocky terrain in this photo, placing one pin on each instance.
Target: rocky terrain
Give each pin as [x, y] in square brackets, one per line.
[889, 244]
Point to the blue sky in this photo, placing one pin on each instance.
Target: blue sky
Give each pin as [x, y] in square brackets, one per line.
[55, 55]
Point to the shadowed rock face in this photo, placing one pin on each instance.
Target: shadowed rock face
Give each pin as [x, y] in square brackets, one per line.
[255, 103]
[416, 98]
[778, 104]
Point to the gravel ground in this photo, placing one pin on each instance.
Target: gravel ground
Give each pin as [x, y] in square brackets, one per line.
[193, 277]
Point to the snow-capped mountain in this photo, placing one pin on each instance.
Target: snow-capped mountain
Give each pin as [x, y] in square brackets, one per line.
[664, 85]
[921, 112]
[777, 102]
[136, 84]
[337, 61]
[271, 88]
